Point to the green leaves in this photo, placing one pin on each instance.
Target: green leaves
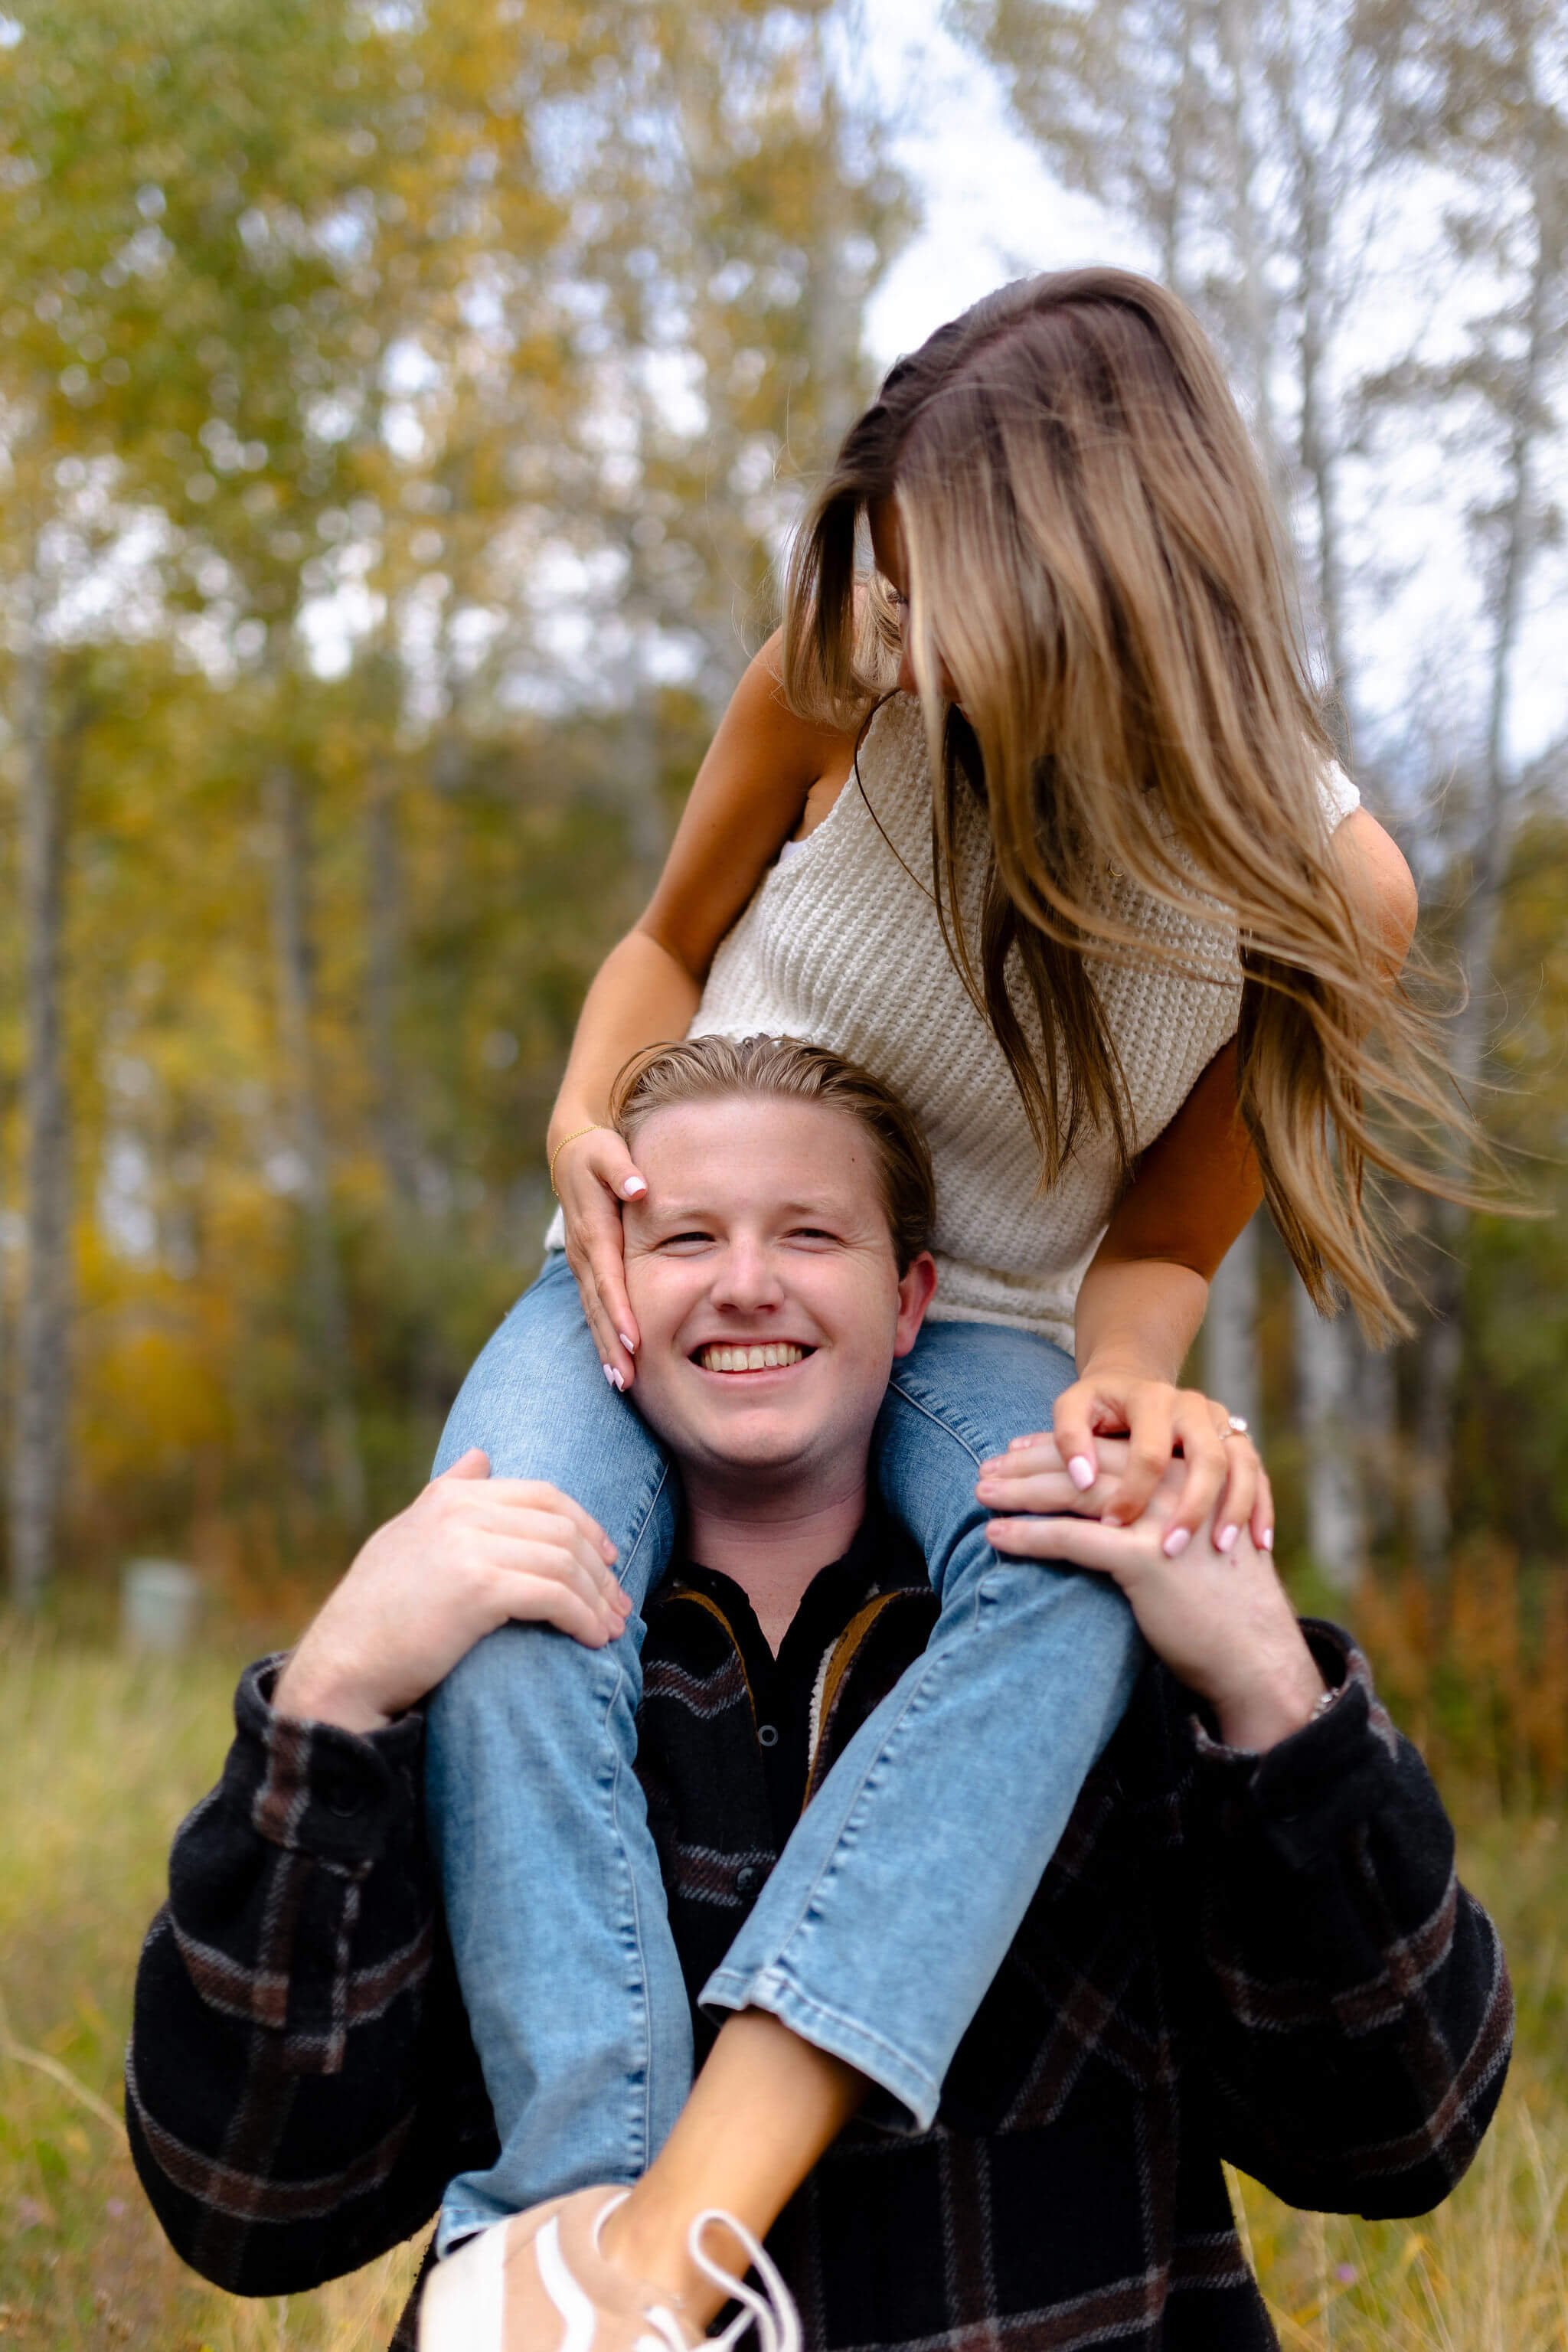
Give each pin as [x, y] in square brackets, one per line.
[410, 397]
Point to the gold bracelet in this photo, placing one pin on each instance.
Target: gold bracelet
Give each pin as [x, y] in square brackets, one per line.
[576, 1136]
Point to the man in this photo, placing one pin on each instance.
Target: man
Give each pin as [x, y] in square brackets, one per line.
[1249, 1945]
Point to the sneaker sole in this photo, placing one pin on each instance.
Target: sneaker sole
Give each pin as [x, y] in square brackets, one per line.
[463, 2308]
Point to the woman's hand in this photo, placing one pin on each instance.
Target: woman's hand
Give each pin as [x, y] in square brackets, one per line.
[594, 1174]
[470, 1553]
[1220, 1620]
[1222, 1475]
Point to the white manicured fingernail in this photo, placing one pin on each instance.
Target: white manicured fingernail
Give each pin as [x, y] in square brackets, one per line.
[1266, 1539]
[1080, 1470]
[1226, 1540]
[609, 1372]
[1177, 1542]
[618, 1378]
[627, 1342]
[633, 1188]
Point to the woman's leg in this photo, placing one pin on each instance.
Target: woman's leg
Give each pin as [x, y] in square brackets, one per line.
[900, 1891]
[553, 1898]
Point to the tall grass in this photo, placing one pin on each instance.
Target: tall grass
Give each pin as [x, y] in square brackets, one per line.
[100, 1758]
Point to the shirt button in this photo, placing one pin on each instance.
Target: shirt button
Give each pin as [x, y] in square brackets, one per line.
[767, 1735]
[746, 1878]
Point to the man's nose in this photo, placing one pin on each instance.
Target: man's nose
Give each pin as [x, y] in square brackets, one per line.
[746, 1277]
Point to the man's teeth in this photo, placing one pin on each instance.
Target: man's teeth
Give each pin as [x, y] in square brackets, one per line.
[777, 1352]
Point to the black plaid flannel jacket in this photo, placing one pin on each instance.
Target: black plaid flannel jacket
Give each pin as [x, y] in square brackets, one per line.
[1265, 1960]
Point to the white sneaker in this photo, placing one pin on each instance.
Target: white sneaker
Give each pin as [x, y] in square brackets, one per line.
[541, 2283]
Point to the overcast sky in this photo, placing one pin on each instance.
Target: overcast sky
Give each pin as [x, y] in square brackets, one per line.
[992, 212]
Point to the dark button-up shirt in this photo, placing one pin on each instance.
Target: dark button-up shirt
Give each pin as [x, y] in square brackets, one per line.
[1265, 1958]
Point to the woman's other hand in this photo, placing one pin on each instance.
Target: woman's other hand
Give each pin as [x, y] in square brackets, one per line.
[1221, 1621]
[593, 1173]
[469, 1554]
[1222, 1478]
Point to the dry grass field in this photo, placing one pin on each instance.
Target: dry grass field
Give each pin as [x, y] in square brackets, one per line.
[98, 1758]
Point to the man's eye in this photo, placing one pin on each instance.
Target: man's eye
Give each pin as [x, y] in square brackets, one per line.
[814, 1234]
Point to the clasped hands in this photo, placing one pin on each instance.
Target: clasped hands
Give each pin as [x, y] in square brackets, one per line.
[1219, 1619]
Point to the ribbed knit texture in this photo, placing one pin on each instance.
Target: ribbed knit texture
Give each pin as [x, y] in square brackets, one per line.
[840, 945]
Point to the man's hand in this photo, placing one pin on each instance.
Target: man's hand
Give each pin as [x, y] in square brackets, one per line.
[467, 1555]
[1220, 1620]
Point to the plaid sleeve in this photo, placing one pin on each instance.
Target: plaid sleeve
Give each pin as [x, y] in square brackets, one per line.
[1352, 2018]
[300, 2084]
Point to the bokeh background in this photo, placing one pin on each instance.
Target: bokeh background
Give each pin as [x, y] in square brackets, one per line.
[402, 406]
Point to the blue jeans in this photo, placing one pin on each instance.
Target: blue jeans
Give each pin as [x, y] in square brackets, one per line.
[906, 1879]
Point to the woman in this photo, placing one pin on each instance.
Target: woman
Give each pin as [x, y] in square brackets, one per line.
[1012, 891]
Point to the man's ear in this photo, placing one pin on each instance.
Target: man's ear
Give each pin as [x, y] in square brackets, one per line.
[916, 1289]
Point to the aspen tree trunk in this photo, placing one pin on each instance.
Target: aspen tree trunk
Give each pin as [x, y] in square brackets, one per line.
[638, 774]
[1170, 211]
[1379, 1448]
[383, 982]
[1327, 1352]
[325, 1315]
[1236, 40]
[43, 1321]
[1231, 1331]
[1336, 1535]
[1442, 1346]
[832, 308]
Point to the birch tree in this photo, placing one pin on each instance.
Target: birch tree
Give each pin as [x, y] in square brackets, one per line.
[1484, 88]
[68, 313]
[42, 1351]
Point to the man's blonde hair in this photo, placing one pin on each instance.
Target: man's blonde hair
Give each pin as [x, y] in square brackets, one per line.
[706, 1069]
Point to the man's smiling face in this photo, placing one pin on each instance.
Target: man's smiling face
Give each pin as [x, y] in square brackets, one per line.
[769, 1302]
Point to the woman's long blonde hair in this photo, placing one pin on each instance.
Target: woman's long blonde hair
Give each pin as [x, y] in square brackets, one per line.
[1094, 563]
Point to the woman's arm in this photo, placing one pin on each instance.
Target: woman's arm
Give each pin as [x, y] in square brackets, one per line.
[745, 803]
[1143, 1299]
[1140, 1306]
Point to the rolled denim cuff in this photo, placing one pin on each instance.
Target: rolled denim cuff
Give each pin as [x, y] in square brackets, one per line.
[903, 2098]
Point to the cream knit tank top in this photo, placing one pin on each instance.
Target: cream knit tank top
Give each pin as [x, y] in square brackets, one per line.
[840, 945]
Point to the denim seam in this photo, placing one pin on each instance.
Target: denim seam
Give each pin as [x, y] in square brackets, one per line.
[644, 2156]
[940, 1420]
[647, 1520]
[825, 1870]
[916, 1695]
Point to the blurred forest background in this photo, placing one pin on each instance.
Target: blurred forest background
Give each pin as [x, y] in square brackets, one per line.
[400, 414]
[403, 405]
